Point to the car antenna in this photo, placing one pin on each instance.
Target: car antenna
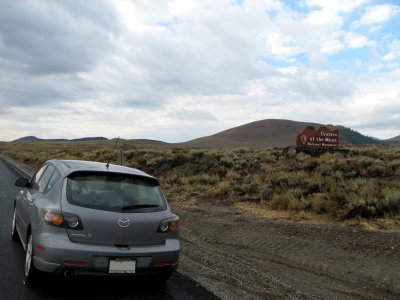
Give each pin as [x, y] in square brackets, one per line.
[115, 145]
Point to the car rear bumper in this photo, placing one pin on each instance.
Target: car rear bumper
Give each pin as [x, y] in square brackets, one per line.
[55, 254]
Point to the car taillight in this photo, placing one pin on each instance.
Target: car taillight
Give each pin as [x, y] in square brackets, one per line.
[53, 218]
[56, 218]
[169, 225]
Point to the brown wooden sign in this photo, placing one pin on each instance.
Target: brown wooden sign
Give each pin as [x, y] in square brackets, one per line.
[323, 137]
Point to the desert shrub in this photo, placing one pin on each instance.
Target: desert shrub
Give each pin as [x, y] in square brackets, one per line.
[338, 202]
[375, 170]
[375, 202]
[203, 179]
[173, 179]
[233, 175]
[310, 187]
[311, 164]
[196, 155]
[279, 180]
[362, 182]
[250, 188]
[394, 165]
[178, 160]
[318, 203]
[326, 168]
[266, 191]
[284, 201]
[361, 209]
[391, 201]
[224, 189]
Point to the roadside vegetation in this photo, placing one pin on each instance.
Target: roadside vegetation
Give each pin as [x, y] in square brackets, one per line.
[362, 182]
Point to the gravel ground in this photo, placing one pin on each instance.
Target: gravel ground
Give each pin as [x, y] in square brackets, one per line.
[240, 256]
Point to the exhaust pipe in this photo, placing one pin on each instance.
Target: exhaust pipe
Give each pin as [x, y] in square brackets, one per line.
[68, 273]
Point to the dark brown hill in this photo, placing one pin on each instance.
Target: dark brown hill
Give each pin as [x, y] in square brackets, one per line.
[269, 133]
[264, 133]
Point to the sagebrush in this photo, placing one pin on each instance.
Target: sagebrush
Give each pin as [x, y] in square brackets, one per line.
[362, 182]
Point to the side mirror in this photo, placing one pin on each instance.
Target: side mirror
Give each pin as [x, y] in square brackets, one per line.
[22, 182]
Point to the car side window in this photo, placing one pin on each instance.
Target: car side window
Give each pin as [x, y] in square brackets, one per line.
[35, 180]
[56, 175]
[44, 180]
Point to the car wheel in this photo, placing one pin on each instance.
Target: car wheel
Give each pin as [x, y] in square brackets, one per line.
[31, 273]
[14, 233]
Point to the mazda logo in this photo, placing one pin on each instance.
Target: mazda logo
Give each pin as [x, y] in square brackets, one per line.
[123, 222]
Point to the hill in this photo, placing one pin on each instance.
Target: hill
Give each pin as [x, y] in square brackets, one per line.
[28, 139]
[350, 136]
[144, 143]
[35, 139]
[270, 133]
[264, 133]
[393, 142]
[87, 139]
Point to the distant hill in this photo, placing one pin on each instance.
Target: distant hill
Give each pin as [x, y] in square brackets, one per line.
[27, 139]
[393, 142]
[144, 143]
[270, 133]
[350, 136]
[264, 133]
[35, 139]
[97, 138]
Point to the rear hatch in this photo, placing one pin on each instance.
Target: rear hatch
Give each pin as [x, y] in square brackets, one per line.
[115, 209]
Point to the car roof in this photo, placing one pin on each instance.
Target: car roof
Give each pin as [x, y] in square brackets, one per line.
[67, 167]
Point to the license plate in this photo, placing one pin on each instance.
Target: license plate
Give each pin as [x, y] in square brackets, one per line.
[122, 266]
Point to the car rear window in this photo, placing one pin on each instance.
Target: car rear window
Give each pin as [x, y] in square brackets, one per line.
[115, 192]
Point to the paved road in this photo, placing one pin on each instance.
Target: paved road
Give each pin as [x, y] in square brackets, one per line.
[12, 258]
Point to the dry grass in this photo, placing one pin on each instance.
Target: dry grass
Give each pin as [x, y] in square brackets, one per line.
[361, 183]
[379, 224]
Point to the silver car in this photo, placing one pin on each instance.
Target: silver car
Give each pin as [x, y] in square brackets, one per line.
[79, 217]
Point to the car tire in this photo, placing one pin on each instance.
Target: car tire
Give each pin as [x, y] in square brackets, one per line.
[14, 233]
[31, 274]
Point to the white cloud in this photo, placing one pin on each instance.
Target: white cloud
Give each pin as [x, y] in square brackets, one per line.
[332, 46]
[330, 12]
[148, 69]
[394, 51]
[354, 40]
[336, 5]
[376, 104]
[324, 16]
[378, 14]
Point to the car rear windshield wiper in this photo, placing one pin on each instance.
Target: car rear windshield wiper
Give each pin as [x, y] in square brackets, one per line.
[135, 206]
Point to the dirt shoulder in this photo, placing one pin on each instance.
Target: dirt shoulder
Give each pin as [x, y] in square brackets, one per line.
[240, 256]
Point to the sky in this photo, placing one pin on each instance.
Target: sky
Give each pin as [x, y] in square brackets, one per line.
[182, 69]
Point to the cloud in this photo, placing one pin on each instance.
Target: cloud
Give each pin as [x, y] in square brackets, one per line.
[52, 37]
[191, 115]
[150, 68]
[394, 51]
[375, 103]
[344, 6]
[330, 12]
[378, 14]
[354, 40]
